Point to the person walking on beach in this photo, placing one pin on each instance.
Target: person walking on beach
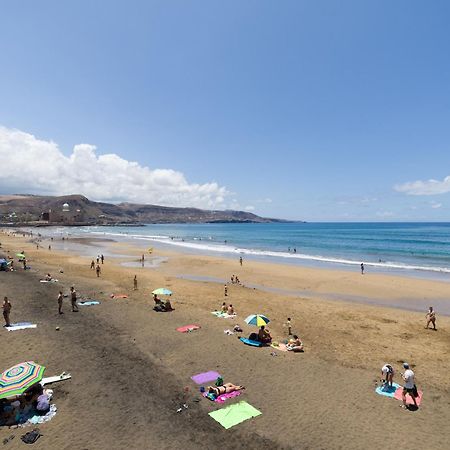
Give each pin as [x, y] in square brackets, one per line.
[431, 318]
[60, 302]
[92, 265]
[98, 259]
[240, 260]
[6, 311]
[98, 270]
[362, 268]
[102, 258]
[410, 386]
[143, 260]
[135, 283]
[73, 299]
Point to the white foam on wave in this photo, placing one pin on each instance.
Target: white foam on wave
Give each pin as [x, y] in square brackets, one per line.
[223, 248]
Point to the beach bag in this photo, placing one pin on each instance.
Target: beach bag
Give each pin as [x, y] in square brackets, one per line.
[219, 381]
[31, 437]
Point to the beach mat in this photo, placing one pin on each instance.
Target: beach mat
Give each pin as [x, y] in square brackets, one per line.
[205, 377]
[89, 303]
[234, 414]
[222, 398]
[250, 342]
[386, 390]
[21, 326]
[409, 400]
[282, 347]
[48, 281]
[223, 315]
[188, 328]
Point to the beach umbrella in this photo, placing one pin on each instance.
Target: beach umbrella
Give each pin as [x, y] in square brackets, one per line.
[17, 379]
[162, 291]
[257, 319]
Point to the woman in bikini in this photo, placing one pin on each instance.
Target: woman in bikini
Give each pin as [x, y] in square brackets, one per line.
[224, 389]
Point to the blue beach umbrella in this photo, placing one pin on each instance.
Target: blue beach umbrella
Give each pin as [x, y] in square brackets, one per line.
[257, 320]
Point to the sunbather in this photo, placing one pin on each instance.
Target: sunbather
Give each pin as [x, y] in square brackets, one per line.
[295, 344]
[264, 335]
[48, 277]
[224, 307]
[224, 389]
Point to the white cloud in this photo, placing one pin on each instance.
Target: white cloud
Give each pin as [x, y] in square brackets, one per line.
[429, 187]
[435, 205]
[31, 165]
[384, 214]
[249, 208]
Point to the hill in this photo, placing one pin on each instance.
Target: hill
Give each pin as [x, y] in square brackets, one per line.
[49, 210]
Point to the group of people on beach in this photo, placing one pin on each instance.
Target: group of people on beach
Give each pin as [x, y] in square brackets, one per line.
[408, 377]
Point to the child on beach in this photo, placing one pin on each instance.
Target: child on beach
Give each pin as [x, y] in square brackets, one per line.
[288, 325]
[431, 318]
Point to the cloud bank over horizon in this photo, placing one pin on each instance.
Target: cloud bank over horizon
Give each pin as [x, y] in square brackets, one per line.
[428, 187]
[35, 166]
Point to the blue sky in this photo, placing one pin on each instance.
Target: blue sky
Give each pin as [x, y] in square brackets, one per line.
[314, 110]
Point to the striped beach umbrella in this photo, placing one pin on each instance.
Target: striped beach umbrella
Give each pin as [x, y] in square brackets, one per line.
[162, 291]
[17, 379]
[257, 319]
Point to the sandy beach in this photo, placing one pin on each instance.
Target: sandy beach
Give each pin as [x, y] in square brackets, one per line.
[131, 369]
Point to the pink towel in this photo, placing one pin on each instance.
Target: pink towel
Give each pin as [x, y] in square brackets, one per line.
[409, 400]
[224, 397]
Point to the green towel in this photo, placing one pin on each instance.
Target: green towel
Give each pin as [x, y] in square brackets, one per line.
[232, 415]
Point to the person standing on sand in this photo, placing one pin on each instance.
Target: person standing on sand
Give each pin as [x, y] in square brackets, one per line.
[410, 386]
[102, 258]
[92, 264]
[6, 311]
[60, 302]
[135, 283]
[98, 270]
[289, 326]
[240, 260]
[362, 268]
[431, 318]
[73, 299]
[98, 259]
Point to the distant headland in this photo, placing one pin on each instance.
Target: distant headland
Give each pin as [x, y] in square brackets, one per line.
[77, 210]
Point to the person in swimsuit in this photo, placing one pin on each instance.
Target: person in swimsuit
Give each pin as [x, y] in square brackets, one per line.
[224, 389]
[431, 318]
[388, 371]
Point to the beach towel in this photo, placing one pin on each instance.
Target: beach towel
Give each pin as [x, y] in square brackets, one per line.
[188, 328]
[222, 398]
[234, 414]
[89, 303]
[251, 342]
[409, 400]
[387, 390]
[282, 347]
[119, 296]
[223, 315]
[205, 377]
[35, 420]
[49, 281]
[21, 326]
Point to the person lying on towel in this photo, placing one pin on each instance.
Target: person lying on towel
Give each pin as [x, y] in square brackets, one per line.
[224, 389]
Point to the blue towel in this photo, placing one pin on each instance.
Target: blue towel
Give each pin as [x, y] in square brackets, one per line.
[250, 342]
[89, 303]
[387, 390]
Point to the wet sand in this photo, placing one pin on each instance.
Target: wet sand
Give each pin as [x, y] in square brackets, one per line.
[130, 366]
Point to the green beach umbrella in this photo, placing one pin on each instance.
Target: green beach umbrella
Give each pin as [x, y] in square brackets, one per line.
[162, 291]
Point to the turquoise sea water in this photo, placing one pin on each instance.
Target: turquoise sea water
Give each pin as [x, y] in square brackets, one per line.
[405, 247]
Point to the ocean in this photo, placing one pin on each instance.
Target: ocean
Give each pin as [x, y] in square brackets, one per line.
[418, 249]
